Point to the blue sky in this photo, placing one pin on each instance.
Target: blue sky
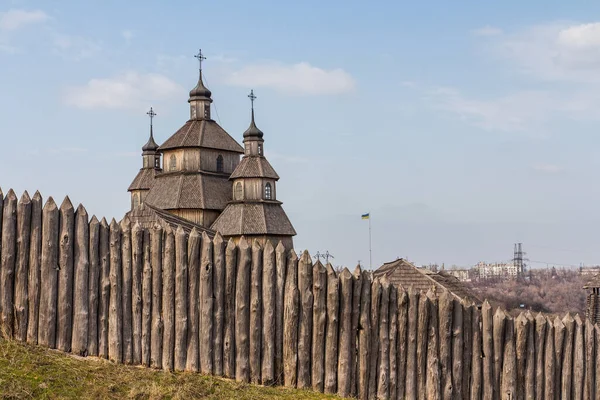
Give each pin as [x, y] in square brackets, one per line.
[461, 127]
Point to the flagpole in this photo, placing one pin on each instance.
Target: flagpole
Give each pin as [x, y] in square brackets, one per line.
[370, 249]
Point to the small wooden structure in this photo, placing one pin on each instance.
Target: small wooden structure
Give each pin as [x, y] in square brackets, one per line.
[593, 299]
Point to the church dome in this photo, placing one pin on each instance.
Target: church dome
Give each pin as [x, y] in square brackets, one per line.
[253, 130]
[200, 90]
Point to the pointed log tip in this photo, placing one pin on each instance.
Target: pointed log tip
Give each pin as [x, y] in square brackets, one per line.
[194, 233]
[180, 231]
[330, 269]
[318, 265]
[114, 224]
[94, 220]
[136, 226]
[578, 319]
[431, 294]
[305, 256]
[103, 222]
[357, 271]
[25, 198]
[66, 204]
[167, 229]
[256, 245]
[558, 321]
[486, 304]
[568, 319]
[231, 244]
[205, 236]
[269, 246]
[500, 313]
[218, 239]
[293, 256]
[521, 318]
[345, 274]
[81, 210]
[280, 247]
[243, 243]
[50, 204]
[1, 194]
[11, 195]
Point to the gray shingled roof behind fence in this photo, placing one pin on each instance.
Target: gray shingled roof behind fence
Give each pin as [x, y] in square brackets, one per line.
[264, 218]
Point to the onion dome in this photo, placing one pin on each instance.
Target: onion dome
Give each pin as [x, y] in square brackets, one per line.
[253, 131]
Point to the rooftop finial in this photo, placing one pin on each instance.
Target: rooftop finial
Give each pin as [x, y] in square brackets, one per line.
[200, 58]
[200, 91]
[252, 130]
[151, 114]
[252, 97]
[151, 145]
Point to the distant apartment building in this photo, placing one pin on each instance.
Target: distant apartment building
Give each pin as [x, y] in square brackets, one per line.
[589, 271]
[485, 270]
[463, 275]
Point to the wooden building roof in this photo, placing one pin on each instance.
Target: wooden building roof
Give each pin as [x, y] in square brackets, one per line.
[144, 180]
[202, 133]
[256, 218]
[147, 215]
[254, 167]
[593, 283]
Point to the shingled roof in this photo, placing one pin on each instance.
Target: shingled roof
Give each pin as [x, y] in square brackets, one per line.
[254, 167]
[143, 180]
[202, 133]
[257, 218]
[403, 273]
[184, 190]
[148, 215]
[593, 283]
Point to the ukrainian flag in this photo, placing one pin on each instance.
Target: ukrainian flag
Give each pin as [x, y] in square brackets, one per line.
[365, 216]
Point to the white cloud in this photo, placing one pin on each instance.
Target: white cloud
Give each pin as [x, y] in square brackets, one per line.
[130, 90]
[487, 31]
[580, 36]
[547, 168]
[14, 19]
[301, 78]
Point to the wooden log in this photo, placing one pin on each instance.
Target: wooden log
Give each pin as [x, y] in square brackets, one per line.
[411, 352]
[499, 328]
[509, 364]
[280, 261]
[364, 337]
[590, 359]
[477, 365]
[319, 323]
[64, 312]
[559, 339]
[49, 275]
[331, 339]
[422, 330]
[457, 349]
[345, 345]
[394, 341]
[104, 296]
[242, 314]
[402, 336]
[487, 336]
[530, 358]
[79, 343]
[181, 298]
[383, 373]
[578, 359]
[567, 360]
[147, 300]
[540, 337]
[207, 300]
[269, 288]
[168, 300]
[256, 312]
[7, 263]
[291, 322]
[356, 291]
[597, 360]
[115, 319]
[230, 295]
[126, 260]
[94, 286]
[34, 272]
[305, 320]
[375, 305]
[193, 338]
[549, 362]
[156, 260]
[137, 268]
[21, 303]
[467, 349]
[446, 304]
[219, 301]
[522, 331]
[433, 382]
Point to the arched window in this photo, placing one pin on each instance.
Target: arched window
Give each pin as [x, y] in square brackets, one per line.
[239, 191]
[260, 150]
[220, 163]
[172, 163]
[157, 162]
[268, 191]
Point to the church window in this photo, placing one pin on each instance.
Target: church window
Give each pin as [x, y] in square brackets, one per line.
[207, 111]
[157, 162]
[238, 191]
[172, 163]
[220, 163]
[268, 191]
[260, 150]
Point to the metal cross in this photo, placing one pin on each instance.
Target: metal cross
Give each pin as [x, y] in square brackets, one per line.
[200, 58]
[151, 114]
[252, 97]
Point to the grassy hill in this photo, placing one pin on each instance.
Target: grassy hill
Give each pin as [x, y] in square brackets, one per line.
[34, 372]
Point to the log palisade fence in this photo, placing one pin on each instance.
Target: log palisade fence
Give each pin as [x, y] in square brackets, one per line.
[165, 299]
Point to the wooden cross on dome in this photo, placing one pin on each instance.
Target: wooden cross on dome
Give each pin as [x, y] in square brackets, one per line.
[200, 58]
[151, 114]
[252, 97]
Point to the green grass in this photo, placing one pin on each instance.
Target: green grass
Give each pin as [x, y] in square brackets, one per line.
[28, 371]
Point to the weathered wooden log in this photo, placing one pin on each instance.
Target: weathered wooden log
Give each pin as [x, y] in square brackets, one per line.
[21, 303]
[383, 372]
[168, 300]
[193, 338]
[578, 359]
[291, 322]
[319, 323]
[567, 360]
[364, 337]
[7, 263]
[446, 304]
[305, 319]
[540, 337]
[590, 359]
[433, 383]
[147, 300]
[487, 336]
[529, 375]
[230, 296]
[156, 260]
[597, 360]
[137, 267]
[509, 364]
[104, 295]
[345, 345]
[422, 330]
[219, 301]
[207, 299]
[411, 353]
[34, 272]
[269, 293]
[79, 343]
[181, 298]
[356, 291]
[256, 311]
[549, 362]
[499, 328]
[94, 286]
[467, 349]
[458, 344]
[374, 359]
[402, 336]
[559, 339]
[242, 314]
[394, 341]
[49, 275]
[126, 260]
[115, 319]
[64, 312]
[331, 339]
[280, 261]
[477, 366]
[522, 330]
